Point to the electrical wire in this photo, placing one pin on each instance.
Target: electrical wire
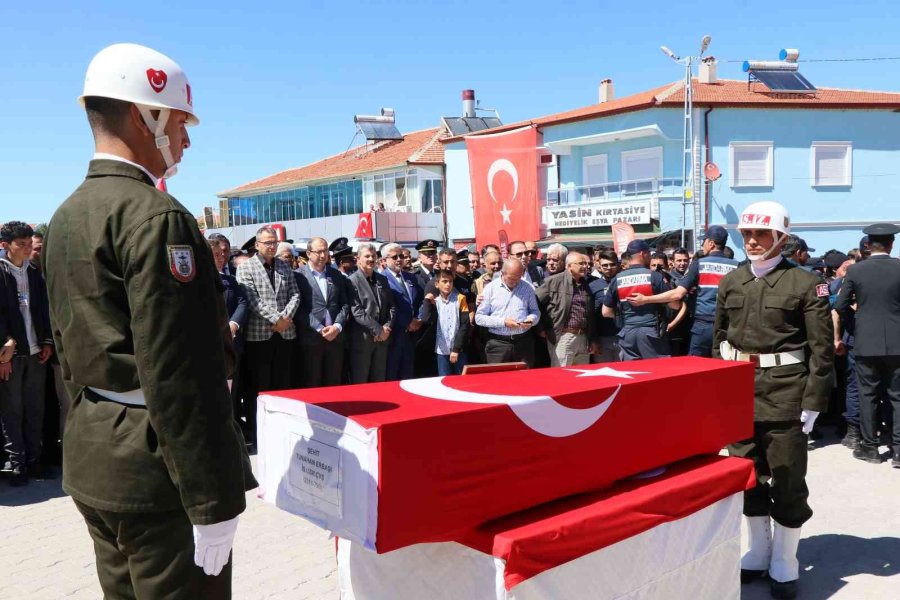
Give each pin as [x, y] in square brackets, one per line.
[821, 60]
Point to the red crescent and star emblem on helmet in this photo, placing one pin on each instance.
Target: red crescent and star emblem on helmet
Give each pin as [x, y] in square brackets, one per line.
[157, 79]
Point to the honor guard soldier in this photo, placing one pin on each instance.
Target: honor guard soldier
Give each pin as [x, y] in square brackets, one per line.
[153, 457]
[643, 326]
[427, 250]
[873, 285]
[774, 314]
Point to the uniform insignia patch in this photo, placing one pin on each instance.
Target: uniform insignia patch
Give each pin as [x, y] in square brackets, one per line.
[181, 263]
[822, 290]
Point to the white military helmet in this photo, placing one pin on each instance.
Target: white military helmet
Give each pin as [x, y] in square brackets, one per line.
[766, 215]
[149, 79]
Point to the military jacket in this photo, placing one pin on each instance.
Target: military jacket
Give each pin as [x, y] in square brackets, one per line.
[784, 311]
[136, 302]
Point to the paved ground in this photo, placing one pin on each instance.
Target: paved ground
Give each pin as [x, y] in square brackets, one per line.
[850, 550]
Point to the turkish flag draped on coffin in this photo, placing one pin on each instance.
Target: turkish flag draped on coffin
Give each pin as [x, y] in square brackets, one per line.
[504, 173]
[364, 227]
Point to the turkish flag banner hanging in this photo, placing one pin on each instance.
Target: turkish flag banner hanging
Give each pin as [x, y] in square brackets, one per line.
[364, 227]
[504, 172]
[392, 464]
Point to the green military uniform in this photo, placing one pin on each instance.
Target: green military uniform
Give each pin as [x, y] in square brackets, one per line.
[136, 303]
[785, 311]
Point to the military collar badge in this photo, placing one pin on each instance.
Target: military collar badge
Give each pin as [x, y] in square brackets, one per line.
[181, 263]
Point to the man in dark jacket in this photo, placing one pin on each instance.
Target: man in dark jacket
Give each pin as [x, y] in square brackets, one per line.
[26, 323]
[372, 307]
[568, 314]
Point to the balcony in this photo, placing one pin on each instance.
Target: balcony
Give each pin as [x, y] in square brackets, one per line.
[619, 191]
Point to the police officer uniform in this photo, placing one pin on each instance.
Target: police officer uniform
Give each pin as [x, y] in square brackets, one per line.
[152, 452]
[642, 334]
[781, 322]
[874, 286]
[705, 274]
[423, 275]
[342, 255]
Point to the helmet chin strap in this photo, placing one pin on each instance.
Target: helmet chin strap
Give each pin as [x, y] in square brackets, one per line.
[158, 126]
[777, 240]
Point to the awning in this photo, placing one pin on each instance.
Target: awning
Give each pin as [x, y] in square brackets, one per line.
[565, 146]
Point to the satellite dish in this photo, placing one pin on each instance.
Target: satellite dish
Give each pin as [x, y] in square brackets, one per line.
[711, 171]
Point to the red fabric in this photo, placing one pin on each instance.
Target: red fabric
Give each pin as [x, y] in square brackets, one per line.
[364, 227]
[446, 467]
[622, 233]
[161, 185]
[504, 175]
[536, 540]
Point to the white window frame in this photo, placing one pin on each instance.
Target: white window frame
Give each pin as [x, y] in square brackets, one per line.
[652, 152]
[594, 160]
[848, 164]
[770, 163]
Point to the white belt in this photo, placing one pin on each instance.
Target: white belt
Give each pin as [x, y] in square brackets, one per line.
[132, 398]
[765, 361]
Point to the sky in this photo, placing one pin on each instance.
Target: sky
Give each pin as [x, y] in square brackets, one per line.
[276, 84]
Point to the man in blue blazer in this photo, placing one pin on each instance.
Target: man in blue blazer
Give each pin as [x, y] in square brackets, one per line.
[320, 319]
[407, 305]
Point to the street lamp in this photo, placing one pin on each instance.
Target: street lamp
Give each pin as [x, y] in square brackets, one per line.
[687, 161]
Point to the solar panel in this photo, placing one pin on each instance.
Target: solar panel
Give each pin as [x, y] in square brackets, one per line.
[790, 82]
[464, 125]
[380, 131]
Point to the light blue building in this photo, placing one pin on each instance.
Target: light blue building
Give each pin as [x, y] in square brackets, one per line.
[831, 157]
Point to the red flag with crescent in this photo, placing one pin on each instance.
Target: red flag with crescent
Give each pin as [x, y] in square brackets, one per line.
[364, 227]
[504, 173]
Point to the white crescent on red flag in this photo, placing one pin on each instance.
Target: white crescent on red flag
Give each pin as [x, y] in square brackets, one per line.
[504, 175]
[364, 227]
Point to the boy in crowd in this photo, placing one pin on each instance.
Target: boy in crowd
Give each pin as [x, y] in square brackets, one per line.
[451, 324]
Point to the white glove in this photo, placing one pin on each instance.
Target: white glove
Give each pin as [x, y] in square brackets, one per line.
[212, 545]
[808, 418]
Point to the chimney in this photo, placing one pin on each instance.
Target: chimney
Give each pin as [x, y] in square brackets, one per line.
[468, 98]
[606, 91]
[708, 70]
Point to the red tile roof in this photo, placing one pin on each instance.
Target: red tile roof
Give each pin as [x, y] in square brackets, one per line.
[417, 147]
[725, 92]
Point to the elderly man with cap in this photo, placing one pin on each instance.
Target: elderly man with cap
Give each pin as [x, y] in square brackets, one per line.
[427, 250]
[776, 315]
[704, 275]
[153, 457]
[873, 286]
[643, 325]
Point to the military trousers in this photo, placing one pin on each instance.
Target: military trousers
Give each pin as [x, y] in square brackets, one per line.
[150, 556]
[879, 379]
[779, 455]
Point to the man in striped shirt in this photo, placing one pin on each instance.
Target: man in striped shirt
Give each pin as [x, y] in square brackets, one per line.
[508, 310]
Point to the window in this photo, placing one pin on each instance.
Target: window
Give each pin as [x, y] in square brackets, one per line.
[593, 176]
[832, 164]
[642, 169]
[751, 164]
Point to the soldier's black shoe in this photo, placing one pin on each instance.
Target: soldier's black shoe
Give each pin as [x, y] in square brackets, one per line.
[895, 462]
[867, 453]
[750, 575]
[852, 439]
[784, 590]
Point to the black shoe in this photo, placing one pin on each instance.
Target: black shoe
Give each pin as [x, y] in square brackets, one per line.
[786, 590]
[19, 478]
[852, 439]
[39, 471]
[750, 575]
[895, 462]
[867, 453]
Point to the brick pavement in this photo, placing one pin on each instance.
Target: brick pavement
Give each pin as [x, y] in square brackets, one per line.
[850, 549]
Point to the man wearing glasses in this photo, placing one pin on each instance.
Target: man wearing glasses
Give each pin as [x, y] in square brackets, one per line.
[323, 313]
[608, 266]
[533, 274]
[273, 299]
[407, 304]
[569, 315]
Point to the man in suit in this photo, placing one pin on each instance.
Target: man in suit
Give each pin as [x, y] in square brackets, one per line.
[568, 314]
[407, 297]
[372, 307]
[323, 314]
[534, 275]
[236, 307]
[874, 286]
[273, 299]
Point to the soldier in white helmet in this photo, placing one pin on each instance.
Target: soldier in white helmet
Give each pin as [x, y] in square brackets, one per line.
[774, 314]
[152, 455]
